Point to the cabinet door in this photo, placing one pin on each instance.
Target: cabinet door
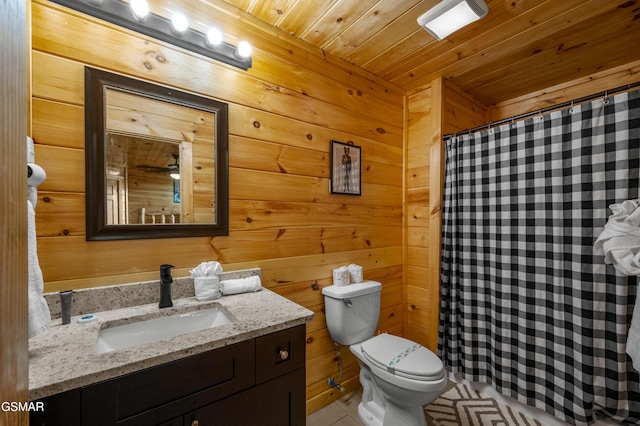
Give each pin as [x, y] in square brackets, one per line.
[60, 409]
[174, 422]
[157, 394]
[279, 402]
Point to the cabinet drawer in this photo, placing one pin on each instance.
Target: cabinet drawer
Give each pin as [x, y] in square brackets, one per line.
[153, 395]
[279, 353]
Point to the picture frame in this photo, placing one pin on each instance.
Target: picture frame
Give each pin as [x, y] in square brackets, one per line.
[346, 168]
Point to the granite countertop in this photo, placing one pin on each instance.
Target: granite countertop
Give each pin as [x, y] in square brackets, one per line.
[64, 357]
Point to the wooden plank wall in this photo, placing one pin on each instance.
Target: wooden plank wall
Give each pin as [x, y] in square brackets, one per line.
[283, 113]
[441, 109]
[151, 191]
[14, 345]
[575, 89]
[437, 110]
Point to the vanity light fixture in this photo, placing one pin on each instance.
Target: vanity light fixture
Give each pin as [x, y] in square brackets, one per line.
[139, 8]
[135, 16]
[214, 37]
[179, 23]
[244, 49]
[449, 16]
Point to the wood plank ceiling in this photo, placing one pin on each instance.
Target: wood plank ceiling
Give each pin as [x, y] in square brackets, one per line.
[521, 46]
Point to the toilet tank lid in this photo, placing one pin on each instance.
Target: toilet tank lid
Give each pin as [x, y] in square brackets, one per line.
[351, 290]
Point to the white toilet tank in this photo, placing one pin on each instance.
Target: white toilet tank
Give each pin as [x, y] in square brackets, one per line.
[352, 311]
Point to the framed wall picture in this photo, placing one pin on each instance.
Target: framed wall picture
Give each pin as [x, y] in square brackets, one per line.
[346, 168]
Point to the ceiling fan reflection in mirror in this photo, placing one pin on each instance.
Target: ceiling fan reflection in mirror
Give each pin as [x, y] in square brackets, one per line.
[173, 169]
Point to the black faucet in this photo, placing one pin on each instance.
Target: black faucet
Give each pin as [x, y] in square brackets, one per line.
[165, 286]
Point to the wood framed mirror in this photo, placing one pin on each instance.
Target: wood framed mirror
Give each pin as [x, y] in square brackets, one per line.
[156, 160]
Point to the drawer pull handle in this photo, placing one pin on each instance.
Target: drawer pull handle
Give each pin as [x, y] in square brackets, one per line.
[195, 423]
[284, 354]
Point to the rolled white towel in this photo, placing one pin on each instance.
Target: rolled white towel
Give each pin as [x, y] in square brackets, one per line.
[355, 273]
[341, 276]
[240, 285]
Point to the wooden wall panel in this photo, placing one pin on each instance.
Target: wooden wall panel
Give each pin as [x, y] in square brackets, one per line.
[438, 109]
[564, 92]
[419, 107]
[158, 62]
[283, 112]
[64, 122]
[14, 349]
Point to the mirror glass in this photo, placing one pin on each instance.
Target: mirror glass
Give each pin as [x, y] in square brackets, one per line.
[156, 160]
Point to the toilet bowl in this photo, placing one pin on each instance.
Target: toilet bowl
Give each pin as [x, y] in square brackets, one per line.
[398, 376]
[416, 379]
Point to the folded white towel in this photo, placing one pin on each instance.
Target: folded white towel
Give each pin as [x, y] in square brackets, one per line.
[240, 285]
[206, 269]
[207, 288]
[619, 242]
[39, 315]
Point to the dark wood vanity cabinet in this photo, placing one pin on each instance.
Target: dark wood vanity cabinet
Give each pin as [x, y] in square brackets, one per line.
[255, 382]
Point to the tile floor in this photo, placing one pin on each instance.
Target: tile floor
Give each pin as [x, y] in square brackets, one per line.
[343, 412]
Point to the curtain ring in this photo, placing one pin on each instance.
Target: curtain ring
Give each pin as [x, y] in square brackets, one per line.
[606, 98]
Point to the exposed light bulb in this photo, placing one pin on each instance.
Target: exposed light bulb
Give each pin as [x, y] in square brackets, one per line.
[179, 22]
[244, 49]
[140, 9]
[175, 176]
[214, 37]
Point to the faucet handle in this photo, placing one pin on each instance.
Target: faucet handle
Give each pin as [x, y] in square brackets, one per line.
[165, 273]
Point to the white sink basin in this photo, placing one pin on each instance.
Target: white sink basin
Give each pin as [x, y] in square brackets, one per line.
[152, 330]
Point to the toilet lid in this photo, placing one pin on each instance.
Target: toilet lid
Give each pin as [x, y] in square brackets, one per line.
[403, 357]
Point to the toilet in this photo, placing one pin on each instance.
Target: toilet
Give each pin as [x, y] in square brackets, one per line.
[398, 376]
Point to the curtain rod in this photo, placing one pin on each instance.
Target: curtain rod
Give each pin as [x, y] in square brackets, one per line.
[547, 109]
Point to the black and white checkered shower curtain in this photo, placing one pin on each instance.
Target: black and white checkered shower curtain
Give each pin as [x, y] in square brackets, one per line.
[526, 306]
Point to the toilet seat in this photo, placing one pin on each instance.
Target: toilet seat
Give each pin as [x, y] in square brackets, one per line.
[402, 357]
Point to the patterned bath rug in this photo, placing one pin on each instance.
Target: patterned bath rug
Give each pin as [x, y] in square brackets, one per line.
[464, 406]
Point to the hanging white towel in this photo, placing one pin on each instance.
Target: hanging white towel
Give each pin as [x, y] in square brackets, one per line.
[620, 244]
[39, 315]
[633, 340]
